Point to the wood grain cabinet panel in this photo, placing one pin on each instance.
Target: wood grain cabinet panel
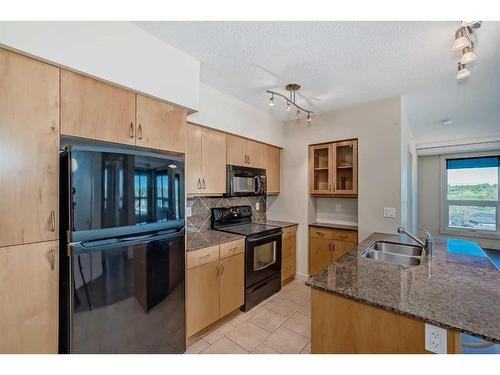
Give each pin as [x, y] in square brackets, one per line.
[193, 159]
[213, 162]
[288, 254]
[257, 154]
[231, 283]
[29, 151]
[236, 152]
[160, 125]
[273, 170]
[96, 110]
[202, 296]
[320, 254]
[29, 298]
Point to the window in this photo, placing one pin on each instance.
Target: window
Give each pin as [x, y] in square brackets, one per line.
[470, 195]
[141, 186]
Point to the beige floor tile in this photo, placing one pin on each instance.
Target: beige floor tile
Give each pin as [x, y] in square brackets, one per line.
[268, 319]
[197, 347]
[248, 335]
[288, 287]
[215, 334]
[286, 341]
[299, 323]
[307, 349]
[299, 296]
[224, 346]
[306, 309]
[241, 318]
[264, 349]
[284, 306]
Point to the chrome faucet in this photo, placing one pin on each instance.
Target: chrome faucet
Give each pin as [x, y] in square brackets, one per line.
[427, 246]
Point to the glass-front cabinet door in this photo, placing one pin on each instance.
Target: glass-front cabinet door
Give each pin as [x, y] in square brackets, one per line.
[346, 167]
[320, 167]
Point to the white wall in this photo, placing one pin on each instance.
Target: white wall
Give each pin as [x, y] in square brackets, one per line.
[408, 214]
[118, 52]
[224, 112]
[377, 125]
[336, 210]
[429, 198]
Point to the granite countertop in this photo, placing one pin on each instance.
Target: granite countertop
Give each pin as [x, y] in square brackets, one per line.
[282, 224]
[199, 240]
[335, 226]
[457, 288]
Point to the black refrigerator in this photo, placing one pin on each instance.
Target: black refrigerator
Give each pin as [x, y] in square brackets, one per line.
[122, 251]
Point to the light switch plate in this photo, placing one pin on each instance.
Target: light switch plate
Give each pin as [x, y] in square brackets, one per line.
[389, 212]
[189, 212]
[435, 339]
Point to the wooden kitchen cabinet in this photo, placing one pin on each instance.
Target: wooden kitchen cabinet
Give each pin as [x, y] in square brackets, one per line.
[288, 254]
[202, 296]
[333, 169]
[96, 110]
[326, 245]
[245, 152]
[29, 154]
[273, 170]
[232, 283]
[160, 125]
[214, 283]
[29, 291]
[205, 161]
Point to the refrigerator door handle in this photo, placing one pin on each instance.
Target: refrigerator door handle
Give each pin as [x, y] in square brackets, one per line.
[82, 247]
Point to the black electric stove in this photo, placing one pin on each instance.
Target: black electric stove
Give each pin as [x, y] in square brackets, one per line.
[262, 251]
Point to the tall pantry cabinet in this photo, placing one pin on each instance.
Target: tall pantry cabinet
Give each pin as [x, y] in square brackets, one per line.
[29, 183]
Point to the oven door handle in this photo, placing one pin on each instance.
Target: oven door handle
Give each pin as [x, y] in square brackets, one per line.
[276, 235]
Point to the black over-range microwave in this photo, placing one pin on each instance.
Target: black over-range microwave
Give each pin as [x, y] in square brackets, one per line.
[245, 181]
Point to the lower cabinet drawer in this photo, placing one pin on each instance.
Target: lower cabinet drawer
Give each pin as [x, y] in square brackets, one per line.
[345, 235]
[200, 257]
[288, 265]
[232, 248]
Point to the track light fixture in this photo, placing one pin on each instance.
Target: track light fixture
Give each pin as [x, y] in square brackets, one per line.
[292, 88]
[463, 42]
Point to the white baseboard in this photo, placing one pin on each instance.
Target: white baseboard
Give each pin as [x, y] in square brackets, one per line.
[301, 276]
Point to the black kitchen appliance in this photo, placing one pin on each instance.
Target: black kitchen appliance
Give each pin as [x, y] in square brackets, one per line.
[122, 251]
[245, 181]
[262, 251]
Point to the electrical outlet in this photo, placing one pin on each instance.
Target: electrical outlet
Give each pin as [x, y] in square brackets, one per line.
[189, 212]
[435, 339]
[257, 206]
[389, 212]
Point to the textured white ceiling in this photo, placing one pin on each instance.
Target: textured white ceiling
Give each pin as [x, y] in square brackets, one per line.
[344, 63]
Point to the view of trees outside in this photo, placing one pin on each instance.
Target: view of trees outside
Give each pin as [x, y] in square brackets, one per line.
[472, 184]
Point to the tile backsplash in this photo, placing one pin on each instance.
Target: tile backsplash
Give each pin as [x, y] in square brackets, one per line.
[200, 210]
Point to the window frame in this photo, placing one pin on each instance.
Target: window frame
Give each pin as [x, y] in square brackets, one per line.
[444, 203]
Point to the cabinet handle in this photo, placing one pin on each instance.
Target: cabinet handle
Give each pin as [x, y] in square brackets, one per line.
[218, 270]
[131, 131]
[222, 269]
[248, 156]
[333, 247]
[53, 221]
[199, 183]
[52, 259]
[203, 186]
[139, 131]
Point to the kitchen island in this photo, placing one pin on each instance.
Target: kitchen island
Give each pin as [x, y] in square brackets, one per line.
[360, 305]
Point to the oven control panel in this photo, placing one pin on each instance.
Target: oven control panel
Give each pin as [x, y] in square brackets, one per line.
[231, 213]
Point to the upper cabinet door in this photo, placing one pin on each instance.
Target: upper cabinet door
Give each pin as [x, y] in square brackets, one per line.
[29, 151]
[273, 170]
[160, 125]
[321, 169]
[29, 280]
[96, 110]
[213, 162]
[193, 159]
[236, 150]
[345, 156]
[256, 154]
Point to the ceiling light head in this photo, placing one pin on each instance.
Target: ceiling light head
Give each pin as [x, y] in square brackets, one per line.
[309, 117]
[461, 40]
[468, 55]
[288, 106]
[298, 114]
[472, 24]
[271, 101]
[463, 72]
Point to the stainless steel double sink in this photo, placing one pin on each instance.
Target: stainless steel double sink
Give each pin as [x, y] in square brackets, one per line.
[396, 253]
